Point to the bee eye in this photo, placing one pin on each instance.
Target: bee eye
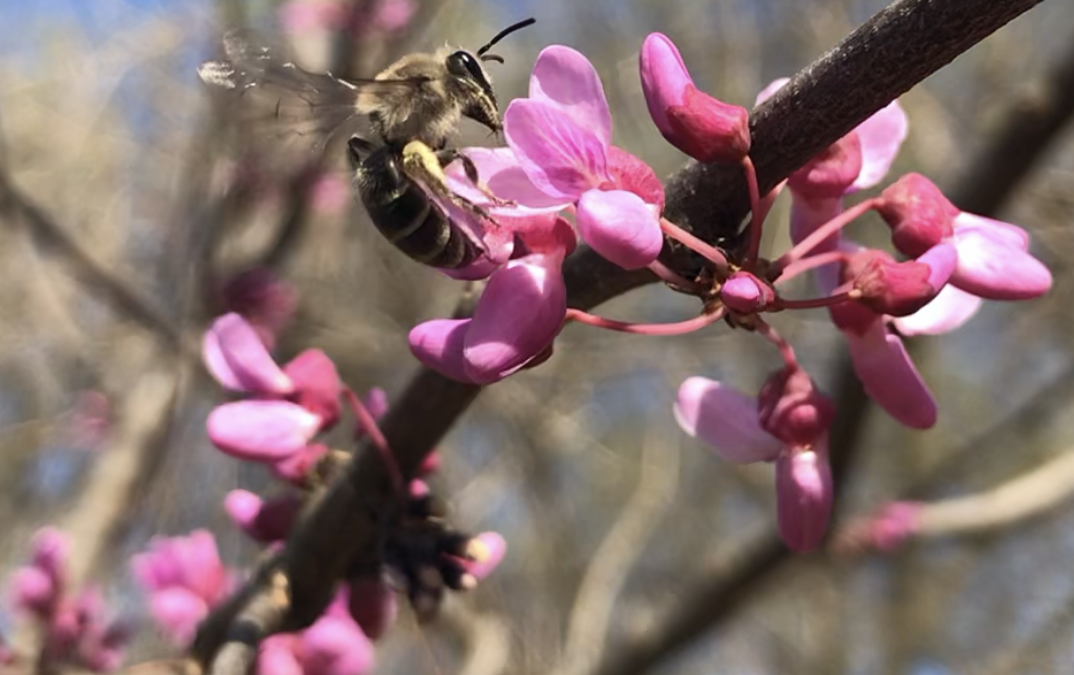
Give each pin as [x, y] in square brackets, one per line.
[462, 64]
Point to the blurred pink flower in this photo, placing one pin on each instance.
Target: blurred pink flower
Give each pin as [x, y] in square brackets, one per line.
[259, 296]
[333, 645]
[297, 402]
[184, 579]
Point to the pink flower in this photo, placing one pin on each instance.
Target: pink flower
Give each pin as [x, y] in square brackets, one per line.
[787, 424]
[298, 401]
[493, 549]
[333, 645]
[560, 154]
[264, 521]
[701, 126]
[39, 587]
[184, 578]
[519, 314]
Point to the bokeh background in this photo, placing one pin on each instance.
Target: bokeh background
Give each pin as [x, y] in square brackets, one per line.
[129, 196]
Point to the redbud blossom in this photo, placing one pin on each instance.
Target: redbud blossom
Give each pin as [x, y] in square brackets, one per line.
[831, 172]
[261, 520]
[493, 548]
[899, 289]
[919, 215]
[804, 495]
[238, 359]
[791, 408]
[184, 579]
[703, 127]
[745, 293]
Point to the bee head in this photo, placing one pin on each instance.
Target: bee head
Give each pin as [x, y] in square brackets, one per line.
[479, 100]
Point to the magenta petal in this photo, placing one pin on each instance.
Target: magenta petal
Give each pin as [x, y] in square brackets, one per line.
[261, 430]
[771, 89]
[989, 268]
[726, 419]
[1011, 235]
[561, 158]
[517, 317]
[33, 590]
[804, 496]
[881, 137]
[276, 656]
[664, 77]
[238, 359]
[565, 79]
[620, 227]
[495, 550]
[946, 312]
[177, 611]
[809, 213]
[890, 378]
[336, 646]
[438, 344]
[500, 170]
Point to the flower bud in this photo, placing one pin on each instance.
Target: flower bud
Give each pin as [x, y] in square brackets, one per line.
[743, 292]
[917, 212]
[792, 409]
[317, 385]
[701, 126]
[900, 289]
[831, 172]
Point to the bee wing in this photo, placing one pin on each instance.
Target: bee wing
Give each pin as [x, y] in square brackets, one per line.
[298, 102]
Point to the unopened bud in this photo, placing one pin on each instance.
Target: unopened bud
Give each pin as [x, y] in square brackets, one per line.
[701, 126]
[792, 409]
[830, 173]
[919, 215]
[743, 292]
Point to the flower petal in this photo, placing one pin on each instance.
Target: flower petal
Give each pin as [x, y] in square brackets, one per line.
[1011, 235]
[634, 175]
[890, 378]
[495, 547]
[276, 656]
[561, 158]
[178, 612]
[336, 646]
[261, 430]
[663, 77]
[500, 170]
[881, 137]
[804, 496]
[518, 316]
[620, 227]
[238, 359]
[988, 267]
[771, 89]
[438, 344]
[565, 79]
[947, 311]
[726, 419]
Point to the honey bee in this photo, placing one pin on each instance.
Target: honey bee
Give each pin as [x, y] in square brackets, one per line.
[407, 113]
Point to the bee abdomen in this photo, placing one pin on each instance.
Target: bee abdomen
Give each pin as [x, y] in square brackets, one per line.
[406, 217]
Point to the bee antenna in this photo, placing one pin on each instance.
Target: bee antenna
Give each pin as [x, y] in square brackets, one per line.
[491, 57]
[504, 33]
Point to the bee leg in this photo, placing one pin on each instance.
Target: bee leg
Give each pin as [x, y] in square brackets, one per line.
[449, 155]
[422, 163]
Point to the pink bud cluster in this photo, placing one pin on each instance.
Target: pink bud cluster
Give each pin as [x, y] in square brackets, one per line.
[559, 156]
[76, 630]
[280, 424]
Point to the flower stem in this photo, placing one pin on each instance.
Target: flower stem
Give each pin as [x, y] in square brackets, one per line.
[369, 426]
[676, 328]
[810, 262]
[823, 232]
[813, 303]
[670, 276]
[756, 215]
[785, 350]
[691, 242]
